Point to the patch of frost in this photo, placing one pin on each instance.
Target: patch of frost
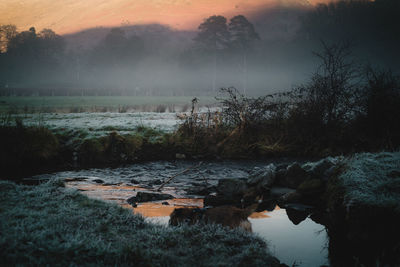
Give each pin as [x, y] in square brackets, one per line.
[373, 179]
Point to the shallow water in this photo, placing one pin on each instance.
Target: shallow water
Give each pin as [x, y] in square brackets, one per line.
[303, 244]
[151, 174]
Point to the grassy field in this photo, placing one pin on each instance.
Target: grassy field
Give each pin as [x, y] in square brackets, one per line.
[49, 225]
[94, 103]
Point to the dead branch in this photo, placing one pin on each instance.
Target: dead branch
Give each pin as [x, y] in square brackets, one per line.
[179, 173]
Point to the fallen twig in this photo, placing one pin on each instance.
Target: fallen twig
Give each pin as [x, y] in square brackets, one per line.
[179, 173]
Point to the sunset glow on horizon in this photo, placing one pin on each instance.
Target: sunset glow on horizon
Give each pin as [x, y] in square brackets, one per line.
[74, 15]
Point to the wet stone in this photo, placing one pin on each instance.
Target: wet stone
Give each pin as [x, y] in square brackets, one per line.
[310, 187]
[277, 192]
[75, 179]
[293, 176]
[321, 169]
[146, 197]
[264, 177]
[231, 187]
[268, 205]
[253, 195]
[155, 182]
[219, 200]
[201, 191]
[290, 198]
[299, 207]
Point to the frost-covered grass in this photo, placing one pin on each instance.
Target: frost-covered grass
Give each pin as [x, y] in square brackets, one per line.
[52, 225]
[93, 103]
[373, 179]
[100, 123]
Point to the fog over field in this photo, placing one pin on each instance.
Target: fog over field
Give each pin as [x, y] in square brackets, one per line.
[267, 50]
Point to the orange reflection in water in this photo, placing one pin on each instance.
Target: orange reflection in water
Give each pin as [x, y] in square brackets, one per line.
[120, 193]
[262, 214]
[100, 187]
[259, 215]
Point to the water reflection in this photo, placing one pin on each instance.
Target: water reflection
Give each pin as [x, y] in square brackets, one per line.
[303, 244]
[117, 193]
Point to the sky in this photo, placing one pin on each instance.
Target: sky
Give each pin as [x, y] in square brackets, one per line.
[68, 16]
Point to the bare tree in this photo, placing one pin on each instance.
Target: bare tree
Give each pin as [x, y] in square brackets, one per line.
[333, 89]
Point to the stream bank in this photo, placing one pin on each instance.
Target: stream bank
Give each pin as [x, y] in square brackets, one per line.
[324, 192]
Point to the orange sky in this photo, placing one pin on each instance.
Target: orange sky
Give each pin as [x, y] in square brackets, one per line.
[66, 16]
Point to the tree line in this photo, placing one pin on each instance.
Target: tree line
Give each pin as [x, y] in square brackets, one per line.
[28, 56]
[221, 53]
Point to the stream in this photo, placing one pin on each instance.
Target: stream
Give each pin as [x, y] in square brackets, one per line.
[304, 244]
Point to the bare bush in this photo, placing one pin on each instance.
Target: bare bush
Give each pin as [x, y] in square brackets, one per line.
[332, 92]
[200, 124]
[244, 112]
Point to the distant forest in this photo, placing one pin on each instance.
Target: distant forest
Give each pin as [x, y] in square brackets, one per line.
[267, 52]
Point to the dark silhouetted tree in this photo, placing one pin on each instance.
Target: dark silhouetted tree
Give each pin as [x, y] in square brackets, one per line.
[22, 56]
[24, 43]
[213, 36]
[7, 32]
[51, 46]
[243, 36]
[32, 56]
[117, 49]
[116, 56]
